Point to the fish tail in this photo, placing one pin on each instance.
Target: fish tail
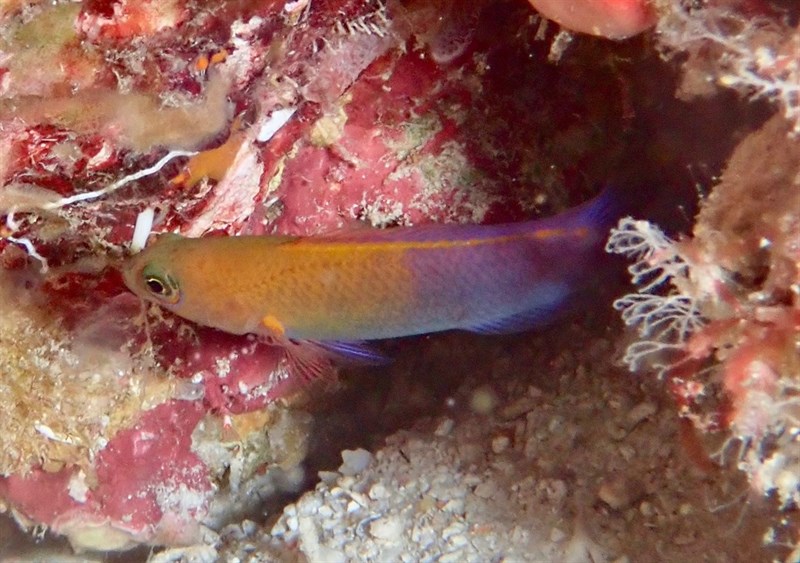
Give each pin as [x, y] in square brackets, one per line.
[592, 220]
[602, 212]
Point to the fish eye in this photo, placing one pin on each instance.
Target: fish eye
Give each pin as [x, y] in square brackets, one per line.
[156, 286]
[163, 287]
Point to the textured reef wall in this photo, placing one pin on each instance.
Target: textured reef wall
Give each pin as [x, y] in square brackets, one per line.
[128, 426]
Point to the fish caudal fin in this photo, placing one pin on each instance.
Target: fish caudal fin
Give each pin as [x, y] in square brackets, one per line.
[604, 210]
[310, 363]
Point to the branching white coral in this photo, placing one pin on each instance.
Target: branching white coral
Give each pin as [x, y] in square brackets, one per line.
[656, 259]
[755, 56]
[764, 409]
[663, 320]
[670, 318]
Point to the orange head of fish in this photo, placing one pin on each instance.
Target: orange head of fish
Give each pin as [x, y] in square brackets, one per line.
[151, 274]
[209, 281]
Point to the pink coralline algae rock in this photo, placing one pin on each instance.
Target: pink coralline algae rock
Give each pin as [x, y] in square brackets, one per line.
[224, 119]
[148, 487]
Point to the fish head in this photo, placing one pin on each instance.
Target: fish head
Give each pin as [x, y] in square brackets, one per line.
[183, 276]
[153, 274]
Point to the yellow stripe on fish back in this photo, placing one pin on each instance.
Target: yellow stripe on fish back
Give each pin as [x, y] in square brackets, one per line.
[323, 244]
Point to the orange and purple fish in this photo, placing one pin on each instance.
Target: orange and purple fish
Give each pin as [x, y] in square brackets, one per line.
[323, 296]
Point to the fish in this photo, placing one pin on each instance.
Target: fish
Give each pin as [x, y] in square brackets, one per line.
[327, 297]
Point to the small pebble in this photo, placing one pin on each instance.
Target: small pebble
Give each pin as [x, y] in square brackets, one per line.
[615, 431]
[455, 506]
[445, 427]
[354, 461]
[426, 503]
[486, 490]
[557, 535]
[500, 444]
[639, 413]
[453, 529]
[329, 555]
[521, 406]
[617, 492]
[554, 490]
[627, 452]
[684, 539]
[378, 492]
[359, 498]
[249, 527]
[555, 424]
[456, 556]
[483, 400]
[388, 528]
[328, 477]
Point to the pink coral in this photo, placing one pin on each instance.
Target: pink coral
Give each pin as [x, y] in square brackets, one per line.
[615, 19]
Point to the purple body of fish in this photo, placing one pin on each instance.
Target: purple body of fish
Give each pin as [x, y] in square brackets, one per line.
[339, 290]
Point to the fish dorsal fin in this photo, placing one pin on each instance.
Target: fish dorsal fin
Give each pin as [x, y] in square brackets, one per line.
[587, 218]
[429, 233]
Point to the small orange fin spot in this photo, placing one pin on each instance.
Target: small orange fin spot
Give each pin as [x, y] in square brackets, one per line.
[219, 57]
[273, 325]
[213, 163]
[201, 64]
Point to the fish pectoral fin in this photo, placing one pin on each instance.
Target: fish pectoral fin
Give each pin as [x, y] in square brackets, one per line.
[306, 364]
[313, 362]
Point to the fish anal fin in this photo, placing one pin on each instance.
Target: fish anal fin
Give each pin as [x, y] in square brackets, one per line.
[535, 317]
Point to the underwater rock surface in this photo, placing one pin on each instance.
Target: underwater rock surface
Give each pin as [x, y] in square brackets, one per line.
[126, 426]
